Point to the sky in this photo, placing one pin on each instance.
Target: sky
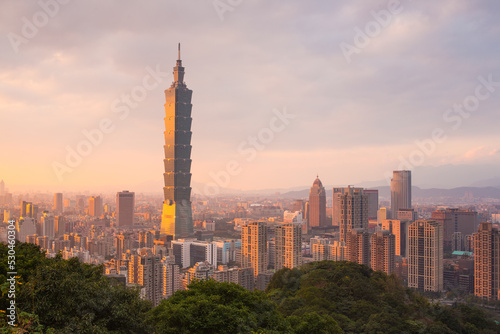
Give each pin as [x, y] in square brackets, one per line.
[282, 91]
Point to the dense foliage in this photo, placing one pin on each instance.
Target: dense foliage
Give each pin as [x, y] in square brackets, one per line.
[361, 300]
[67, 296]
[212, 307]
[72, 297]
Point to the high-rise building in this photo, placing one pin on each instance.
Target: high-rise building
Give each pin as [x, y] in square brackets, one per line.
[456, 220]
[400, 191]
[254, 247]
[23, 209]
[125, 208]
[25, 226]
[457, 242]
[58, 203]
[337, 251]
[358, 246]
[177, 217]
[383, 247]
[48, 226]
[2, 188]
[372, 198]
[409, 215]
[146, 269]
[171, 277]
[400, 230]
[383, 214]
[487, 262]
[319, 248]
[350, 209]
[146, 239]
[288, 246]
[425, 258]
[188, 252]
[59, 226]
[95, 206]
[6, 216]
[317, 205]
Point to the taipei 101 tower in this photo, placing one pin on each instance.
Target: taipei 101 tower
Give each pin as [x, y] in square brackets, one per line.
[177, 217]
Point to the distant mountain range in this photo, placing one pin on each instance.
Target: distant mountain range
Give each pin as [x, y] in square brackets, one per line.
[417, 193]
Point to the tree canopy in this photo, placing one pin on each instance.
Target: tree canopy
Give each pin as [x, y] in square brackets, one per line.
[67, 296]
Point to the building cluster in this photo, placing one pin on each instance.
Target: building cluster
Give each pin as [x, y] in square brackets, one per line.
[161, 245]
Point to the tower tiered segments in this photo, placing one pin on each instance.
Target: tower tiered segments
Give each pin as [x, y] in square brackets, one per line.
[177, 217]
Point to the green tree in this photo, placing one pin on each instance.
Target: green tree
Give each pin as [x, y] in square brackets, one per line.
[75, 297]
[212, 307]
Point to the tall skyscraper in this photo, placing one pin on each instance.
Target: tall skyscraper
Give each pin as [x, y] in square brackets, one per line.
[58, 203]
[125, 208]
[383, 248]
[400, 191]
[372, 198]
[177, 217]
[317, 205]
[254, 247]
[59, 226]
[48, 226]
[425, 259]
[350, 209]
[456, 220]
[288, 246]
[95, 206]
[487, 262]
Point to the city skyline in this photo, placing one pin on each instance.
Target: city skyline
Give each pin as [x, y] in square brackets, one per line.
[395, 91]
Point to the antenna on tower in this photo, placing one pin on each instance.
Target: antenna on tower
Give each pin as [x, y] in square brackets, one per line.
[179, 52]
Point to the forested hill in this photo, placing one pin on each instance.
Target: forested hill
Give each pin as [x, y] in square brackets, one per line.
[67, 296]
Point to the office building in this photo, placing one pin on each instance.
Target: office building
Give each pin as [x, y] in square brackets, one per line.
[288, 246]
[125, 208]
[59, 226]
[48, 226]
[188, 252]
[95, 206]
[58, 203]
[456, 220]
[372, 198]
[177, 217]
[254, 247]
[383, 249]
[24, 227]
[425, 255]
[317, 205]
[400, 191]
[487, 262]
[383, 214]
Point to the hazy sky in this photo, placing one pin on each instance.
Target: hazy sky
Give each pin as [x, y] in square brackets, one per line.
[362, 82]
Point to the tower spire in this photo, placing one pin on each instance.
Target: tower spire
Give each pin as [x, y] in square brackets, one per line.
[178, 69]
